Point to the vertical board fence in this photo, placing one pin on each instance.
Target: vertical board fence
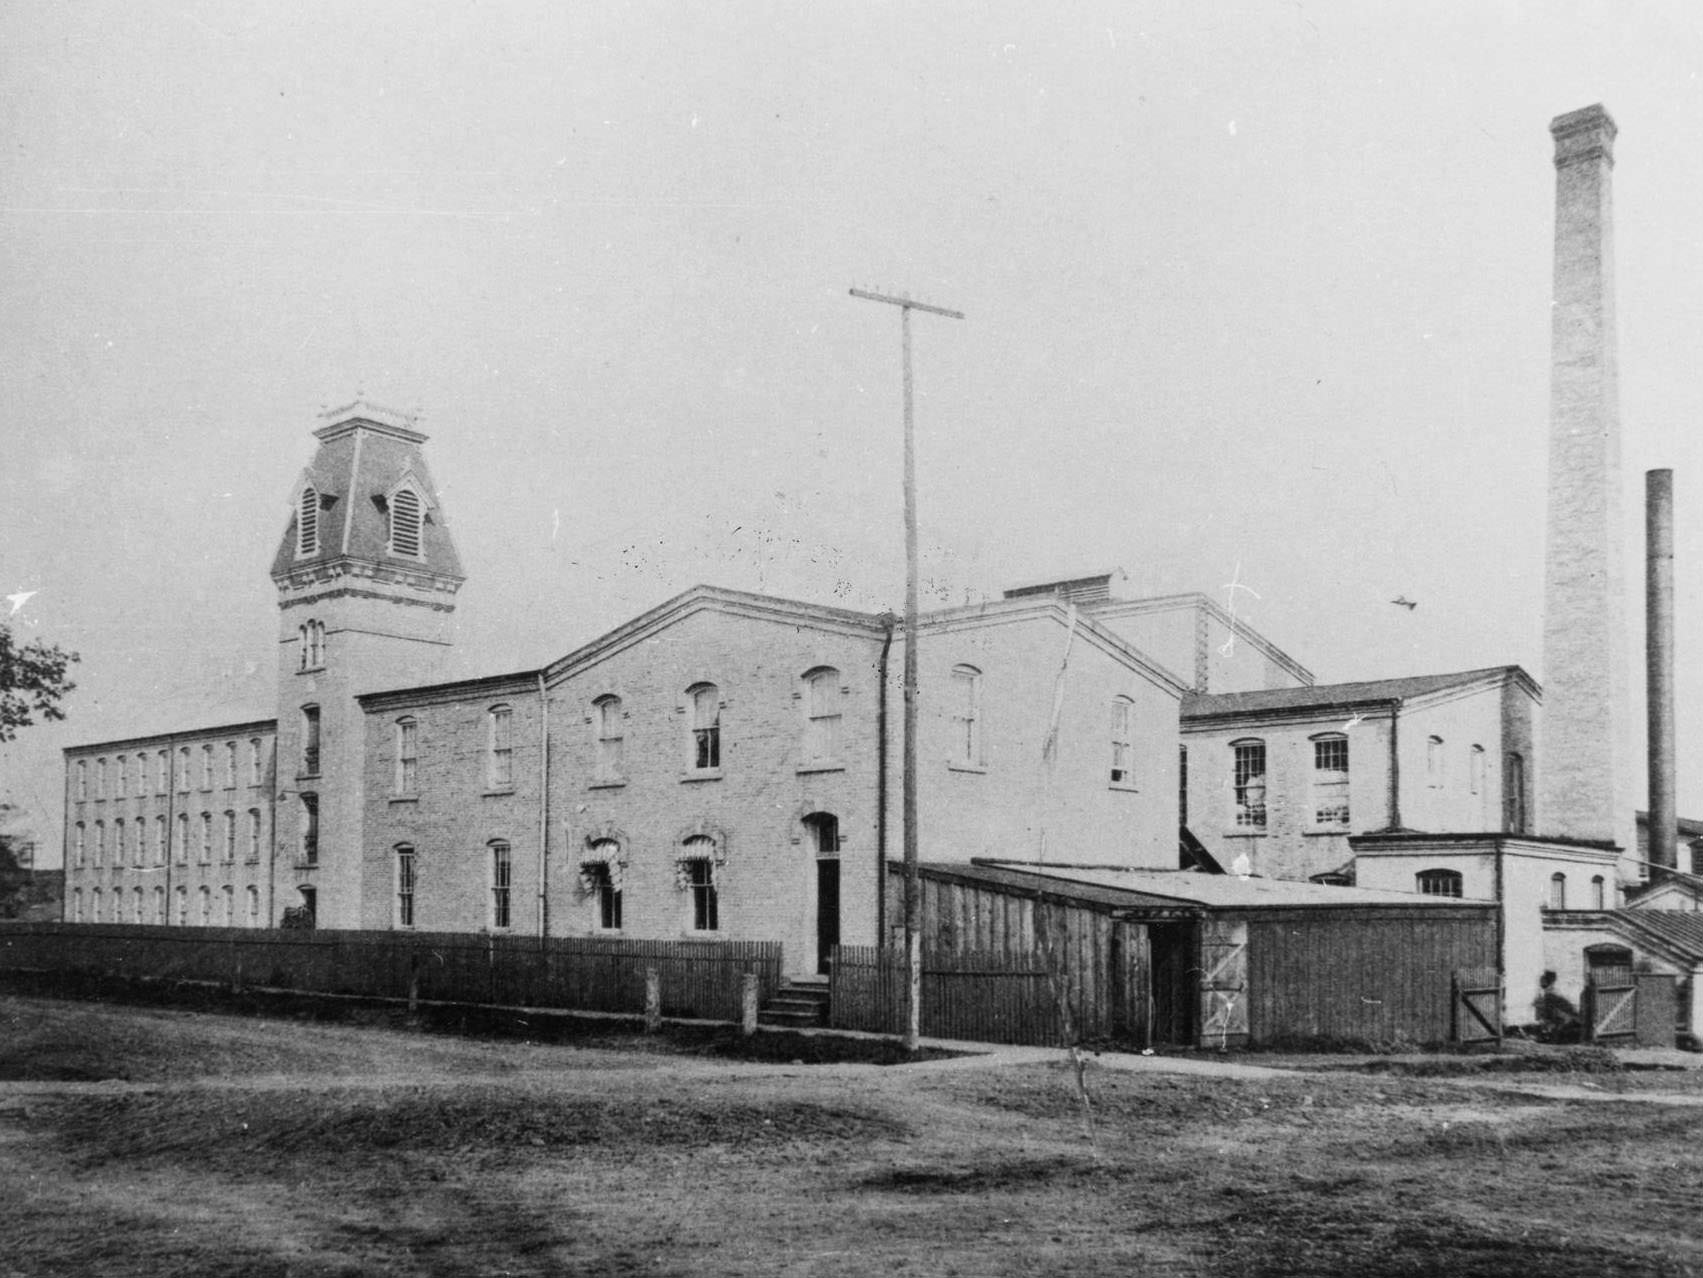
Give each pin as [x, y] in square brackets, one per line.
[986, 997]
[699, 978]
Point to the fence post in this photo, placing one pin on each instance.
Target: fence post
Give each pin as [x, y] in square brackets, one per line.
[748, 1004]
[653, 1000]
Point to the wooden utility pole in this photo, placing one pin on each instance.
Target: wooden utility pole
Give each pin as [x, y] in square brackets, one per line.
[913, 894]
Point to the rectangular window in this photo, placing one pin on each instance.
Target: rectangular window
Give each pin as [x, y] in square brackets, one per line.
[611, 741]
[1250, 785]
[1122, 751]
[501, 873]
[700, 877]
[310, 741]
[407, 756]
[608, 897]
[1330, 781]
[501, 767]
[966, 715]
[706, 727]
[310, 829]
[822, 725]
[405, 887]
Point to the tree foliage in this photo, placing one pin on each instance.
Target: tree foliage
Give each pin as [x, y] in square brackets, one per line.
[33, 679]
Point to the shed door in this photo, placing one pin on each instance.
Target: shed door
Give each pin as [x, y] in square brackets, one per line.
[1223, 983]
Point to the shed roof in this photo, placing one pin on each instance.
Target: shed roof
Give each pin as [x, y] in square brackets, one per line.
[1132, 887]
[1326, 695]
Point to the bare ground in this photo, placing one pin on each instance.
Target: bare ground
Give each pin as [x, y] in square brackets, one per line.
[149, 1141]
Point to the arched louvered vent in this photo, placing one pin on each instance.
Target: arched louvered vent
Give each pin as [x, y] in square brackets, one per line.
[405, 523]
[307, 524]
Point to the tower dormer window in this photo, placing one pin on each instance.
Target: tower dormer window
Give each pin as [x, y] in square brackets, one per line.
[307, 523]
[406, 515]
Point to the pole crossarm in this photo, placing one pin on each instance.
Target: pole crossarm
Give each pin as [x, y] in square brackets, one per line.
[906, 302]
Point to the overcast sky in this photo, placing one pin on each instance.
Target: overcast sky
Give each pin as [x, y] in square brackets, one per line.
[1255, 292]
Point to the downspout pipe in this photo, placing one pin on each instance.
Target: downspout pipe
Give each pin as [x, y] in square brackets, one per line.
[543, 810]
[888, 621]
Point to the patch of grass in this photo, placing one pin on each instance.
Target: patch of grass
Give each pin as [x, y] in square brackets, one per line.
[986, 1176]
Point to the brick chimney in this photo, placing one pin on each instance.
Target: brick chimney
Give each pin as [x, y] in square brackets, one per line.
[1584, 762]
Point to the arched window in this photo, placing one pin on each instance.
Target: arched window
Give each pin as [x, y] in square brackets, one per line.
[699, 855]
[1558, 891]
[100, 844]
[159, 840]
[253, 906]
[407, 756]
[1475, 769]
[230, 837]
[1249, 783]
[1123, 749]
[405, 885]
[207, 766]
[95, 906]
[822, 716]
[824, 828]
[310, 741]
[183, 907]
[122, 763]
[80, 849]
[310, 829]
[611, 738]
[230, 765]
[500, 762]
[602, 871]
[206, 853]
[706, 726]
[307, 523]
[1599, 892]
[118, 842]
[1439, 882]
[406, 515]
[100, 778]
[82, 779]
[256, 772]
[253, 835]
[162, 777]
[302, 660]
[183, 769]
[136, 900]
[1330, 780]
[160, 906]
[1514, 795]
[1434, 762]
[204, 900]
[227, 908]
[76, 905]
[966, 705]
[502, 880]
[138, 850]
[183, 838]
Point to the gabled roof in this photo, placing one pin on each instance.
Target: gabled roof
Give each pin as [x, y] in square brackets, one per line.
[1331, 696]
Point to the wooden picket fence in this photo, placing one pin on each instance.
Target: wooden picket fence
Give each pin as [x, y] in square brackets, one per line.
[698, 978]
[987, 997]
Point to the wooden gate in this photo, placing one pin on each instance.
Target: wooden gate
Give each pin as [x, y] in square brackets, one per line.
[1611, 1004]
[1223, 983]
[1477, 1005]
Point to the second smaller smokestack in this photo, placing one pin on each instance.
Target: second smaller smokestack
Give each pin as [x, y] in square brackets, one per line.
[1658, 652]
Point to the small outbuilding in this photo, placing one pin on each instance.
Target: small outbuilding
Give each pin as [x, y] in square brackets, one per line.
[1185, 957]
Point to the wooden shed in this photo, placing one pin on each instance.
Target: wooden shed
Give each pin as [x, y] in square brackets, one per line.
[1185, 957]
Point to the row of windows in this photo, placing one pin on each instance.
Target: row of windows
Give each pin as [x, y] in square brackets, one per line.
[1449, 883]
[128, 774]
[140, 906]
[90, 845]
[601, 879]
[310, 638]
[820, 694]
[405, 514]
[1329, 803]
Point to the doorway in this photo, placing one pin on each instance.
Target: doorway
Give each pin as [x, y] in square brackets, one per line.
[824, 831]
[1175, 949]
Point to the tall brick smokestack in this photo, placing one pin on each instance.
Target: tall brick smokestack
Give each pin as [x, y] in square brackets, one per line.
[1584, 765]
[1658, 659]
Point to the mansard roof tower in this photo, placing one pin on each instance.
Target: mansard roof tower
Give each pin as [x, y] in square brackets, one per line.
[367, 576]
